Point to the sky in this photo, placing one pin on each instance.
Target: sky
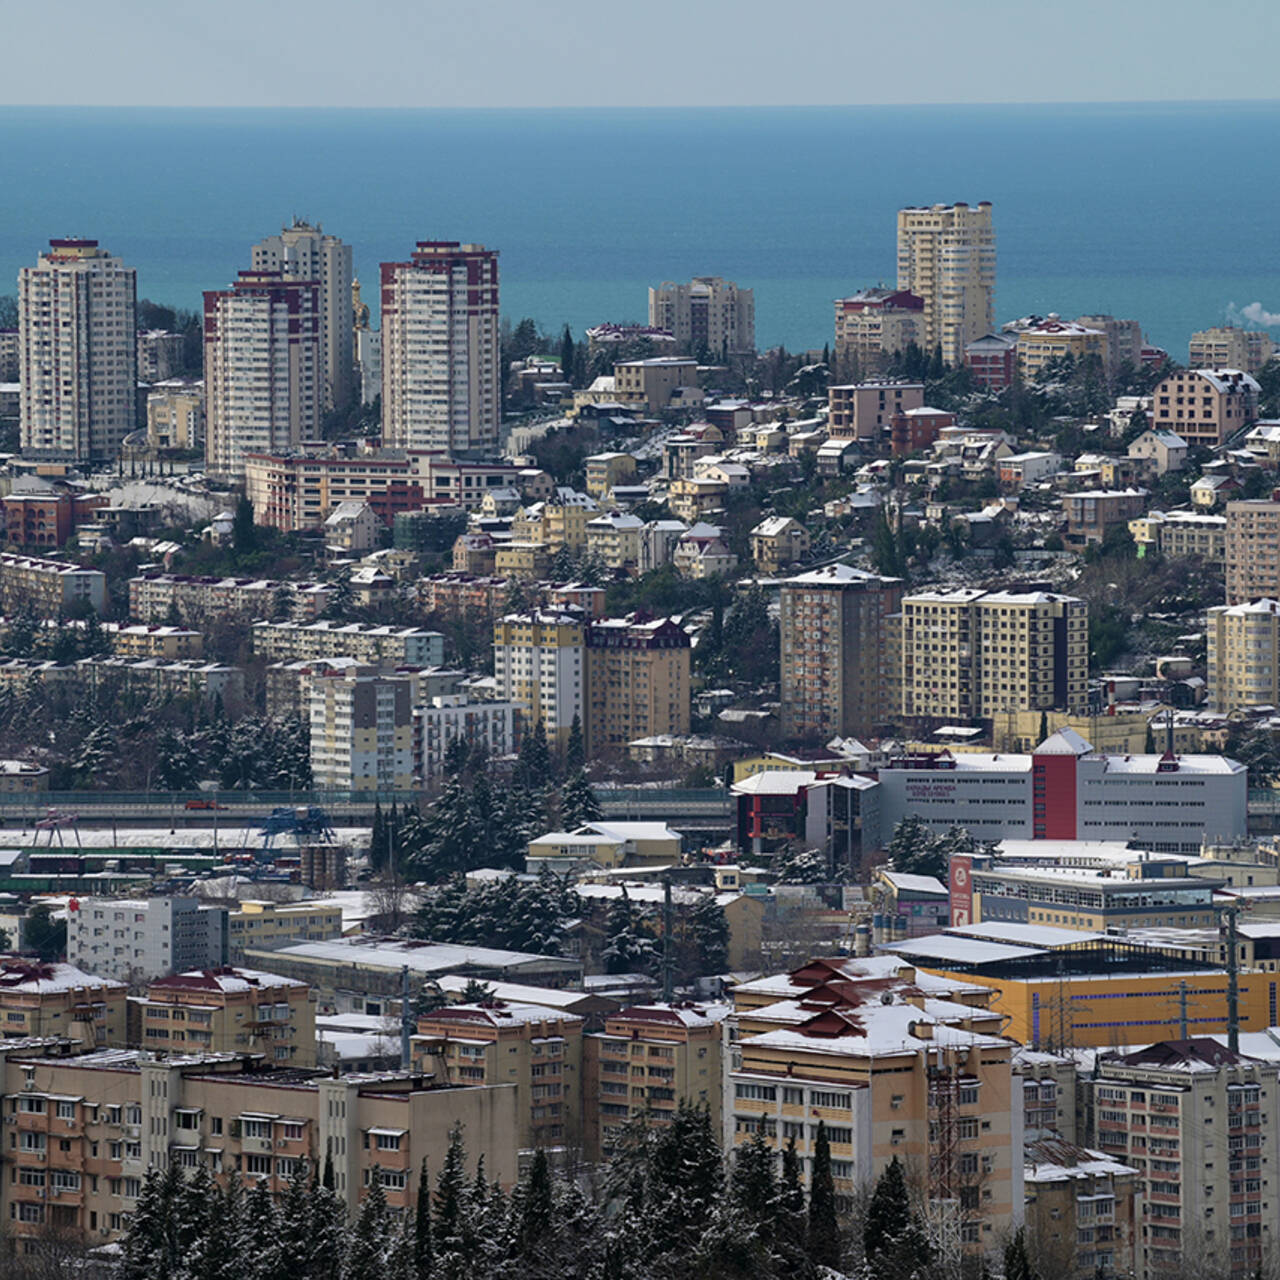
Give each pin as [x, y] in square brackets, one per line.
[677, 53]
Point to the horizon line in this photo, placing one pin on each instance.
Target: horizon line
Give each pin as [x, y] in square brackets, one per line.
[639, 106]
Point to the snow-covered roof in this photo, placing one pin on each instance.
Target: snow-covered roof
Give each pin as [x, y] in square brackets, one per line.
[37, 977]
[228, 980]
[499, 1013]
[905, 882]
[1026, 935]
[942, 948]
[1226, 380]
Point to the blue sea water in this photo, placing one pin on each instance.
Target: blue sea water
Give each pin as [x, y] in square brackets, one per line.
[1161, 212]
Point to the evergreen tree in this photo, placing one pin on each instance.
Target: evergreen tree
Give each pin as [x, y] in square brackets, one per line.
[790, 1221]
[824, 1229]
[533, 768]
[578, 803]
[710, 935]
[327, 1223]
[1044, 725]
[1150, 744]
[423, 1250]
[754, 1186]
[378, 840]
[261, 1243]
[450, 842]
[367, 1242]
[244, 533]
[628, 949]
[146, 1252]
[449, 1228]
[566, 354]
[892, 1238]
[575, 755]
[535, 1208]
[1017, 1261]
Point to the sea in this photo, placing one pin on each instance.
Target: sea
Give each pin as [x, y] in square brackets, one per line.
[1162, 212]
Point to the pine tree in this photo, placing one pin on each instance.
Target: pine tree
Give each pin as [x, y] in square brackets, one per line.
[710, 935]
[533, 769]
[892, 1239]
[535, 1207]
[1044, 725]
[628, 949]
[790, 1222]
[566, 354]
[367, 1242]
[575, 755]
[1017, 1261]
[145, 1253]
[824, 1229]
[578, 803]
[261, 1243]
[450, 1198]
[378, 840]
[423, 1249]
[754, 1186]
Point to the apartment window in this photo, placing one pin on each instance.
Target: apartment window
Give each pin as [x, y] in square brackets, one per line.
[66, 1110]
[258, 1165]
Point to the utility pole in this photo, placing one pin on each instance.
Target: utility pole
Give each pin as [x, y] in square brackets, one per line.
[1233, 984]
[668, 958]
[406, 1018]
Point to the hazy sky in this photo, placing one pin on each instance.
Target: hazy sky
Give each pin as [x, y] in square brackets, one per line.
[499, 53]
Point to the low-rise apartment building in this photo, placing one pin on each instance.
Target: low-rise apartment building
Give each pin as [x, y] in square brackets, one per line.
[158, 597]
[604, 470]
[1181, 533]
[645, 1063]
[1226, 347]
[864, 410]
[537, 1049]
[778, 542]
[1053, 339]
[263, 924]
[142, 641]
[161, 677]
[84, 1130]
[49, 588]
[1205, 406]
[175, 417]
[227, 1010]
[46, 998]
[657, 384]
[992, 360]
[1090, 513]
[387, 646]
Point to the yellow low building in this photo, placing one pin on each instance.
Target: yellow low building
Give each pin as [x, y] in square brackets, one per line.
[261, 924]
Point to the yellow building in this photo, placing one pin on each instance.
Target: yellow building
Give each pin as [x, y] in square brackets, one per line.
[1243, 658]
[1112, 733]
[530, 561]
[141, 641]
[1205, 406]
[228, 1010]
[604, 470]
[974, 655]
[538, 664]
[51, 999]
[558, 522]
[262, 924]
[1053, 339]
[648, 1060]
[663, 382]
[175, 418]
[1227, 347]
[637, 681]
[777, 543]
[892, 1072]
[539, 1050]
[1181, 533]
[947, 257]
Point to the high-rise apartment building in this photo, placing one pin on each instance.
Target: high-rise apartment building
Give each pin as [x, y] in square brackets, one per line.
[1244, 655]
[707, 314]
[262, 370]
[833, 628]
[441, 375]
[304, 252]
[947, 256]
[1227, 347]
[134, 939]
[1253, 550]
[1198, 1122]
[971, 655]
[538, 664]
[77, 353]
[637, 681]
[361, 731]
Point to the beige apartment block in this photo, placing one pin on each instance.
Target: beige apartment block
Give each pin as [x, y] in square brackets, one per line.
[537, 1049]
[865, 410]
[142, 641]
[385, 645]
[361, 731]
[647, 1061]
[617, 539]
[262, 368]
[1253, 550]
[49, 588]
[82, 1131]
[1227, 347]
[947, 256]
[526, 559]
[1124, 340]
[441, 375]
[1199, 1123]
[637, 681]
[873, 326]
[604, 470]
[557, 523]
[40, 998]
[1054, 339]
[77, 353]
[663, 382]
[175, 417]
[1243, 659]
[892, 1072]
[1205, 406]
[975, 655]
[539, 665]
[834, 623]
[154, 596]
[227, 1010]
[1181, 533]
[262, 924]
[778, 542]
[707, 314]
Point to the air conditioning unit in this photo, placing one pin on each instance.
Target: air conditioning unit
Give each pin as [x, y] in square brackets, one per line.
[282, 1142]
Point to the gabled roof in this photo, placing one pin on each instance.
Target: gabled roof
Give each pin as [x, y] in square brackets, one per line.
[1200, 1054]
[1065, 742]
